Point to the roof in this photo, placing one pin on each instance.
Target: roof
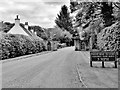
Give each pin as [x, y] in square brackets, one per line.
[28, 32]
[33, 35]
[19, 28]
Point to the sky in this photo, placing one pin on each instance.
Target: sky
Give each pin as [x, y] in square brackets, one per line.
[35, 12]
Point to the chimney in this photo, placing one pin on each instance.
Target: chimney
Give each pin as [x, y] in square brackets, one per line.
[17, 20]
[1, 25]
[26, 25]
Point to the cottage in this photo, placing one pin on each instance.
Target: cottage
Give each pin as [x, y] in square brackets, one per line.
[18, 29]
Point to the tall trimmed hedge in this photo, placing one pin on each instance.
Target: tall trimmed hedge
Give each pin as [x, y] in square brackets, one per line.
[14, 45]
[109, 37]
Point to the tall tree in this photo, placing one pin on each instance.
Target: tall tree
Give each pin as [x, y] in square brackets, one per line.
[94, 16]
[117, 10]
[63, 19]
[107, 13]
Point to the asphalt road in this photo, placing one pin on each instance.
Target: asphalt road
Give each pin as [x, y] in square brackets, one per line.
[64, 68]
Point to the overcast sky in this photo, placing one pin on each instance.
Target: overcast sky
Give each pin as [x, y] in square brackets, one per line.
[36, 12]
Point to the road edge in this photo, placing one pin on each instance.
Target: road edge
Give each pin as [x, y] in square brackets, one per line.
[25, 56]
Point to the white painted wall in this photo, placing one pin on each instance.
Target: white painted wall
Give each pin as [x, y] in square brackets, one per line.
[17, 29]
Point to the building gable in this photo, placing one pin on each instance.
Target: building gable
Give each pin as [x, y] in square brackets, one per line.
[18, 30]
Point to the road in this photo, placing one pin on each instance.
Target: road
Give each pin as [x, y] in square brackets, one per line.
[64, 68]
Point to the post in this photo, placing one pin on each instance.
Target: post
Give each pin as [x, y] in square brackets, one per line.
[115, 59]
[90, 61]
[115, 64]
[103, 64]
[79, 45]
[75, 44]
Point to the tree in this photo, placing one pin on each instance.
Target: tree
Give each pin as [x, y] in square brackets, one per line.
[90, 12]
[40, 31]
[93, 17]
[73, 4]
[107, 11]
[87, 12]
[63, 19]
[117, 4]
[7, 26]
[117, 10]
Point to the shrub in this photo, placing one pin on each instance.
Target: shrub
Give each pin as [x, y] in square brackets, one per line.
[14, 45]
[107, 39]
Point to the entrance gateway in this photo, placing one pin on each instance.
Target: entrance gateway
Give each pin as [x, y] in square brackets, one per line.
[81, 45]
[103, 56]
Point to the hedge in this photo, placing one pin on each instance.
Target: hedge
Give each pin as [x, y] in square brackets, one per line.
[14, 45]
[107, 39]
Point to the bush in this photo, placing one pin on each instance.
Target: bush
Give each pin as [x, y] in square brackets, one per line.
[14, 45]
[107, 39]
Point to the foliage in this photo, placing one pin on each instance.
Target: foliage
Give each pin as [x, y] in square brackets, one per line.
[18, 45]
[40, 31]
[63, 19]
[109, 38]
[58, 34]
[98, 18]
[117, 10]
[73, 4]
[7, 26]
[107, 11]
[89, 12]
